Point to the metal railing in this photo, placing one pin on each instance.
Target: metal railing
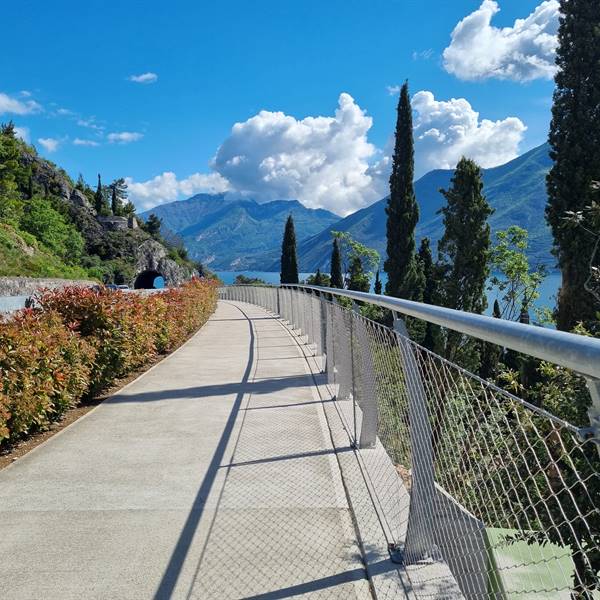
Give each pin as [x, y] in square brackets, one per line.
[479, 492]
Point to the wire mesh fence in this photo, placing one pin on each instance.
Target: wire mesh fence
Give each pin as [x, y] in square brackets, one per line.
[476, 489]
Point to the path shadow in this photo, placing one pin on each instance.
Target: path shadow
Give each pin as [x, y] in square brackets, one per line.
[178, 556]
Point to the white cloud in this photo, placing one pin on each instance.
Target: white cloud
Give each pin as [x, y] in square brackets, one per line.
[167, 188]
[22, 133]
[17, 107]
[447, 130]
[423, 54]
[144, 78]
[523, 52]
[393, 90]
[124, 137]
[321, 161]
[49, 144]
[90, 123]
[82, 142]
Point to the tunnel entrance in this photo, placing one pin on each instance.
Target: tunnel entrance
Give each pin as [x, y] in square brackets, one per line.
[149, 280]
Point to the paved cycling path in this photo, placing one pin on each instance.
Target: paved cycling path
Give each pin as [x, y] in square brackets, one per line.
[212, 476]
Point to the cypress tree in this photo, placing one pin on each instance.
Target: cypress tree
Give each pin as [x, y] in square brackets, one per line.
[115, 204]
[289, 260]
[337, 277]
[318, 278]
[402, 209]
[464, 252]
[358, 280]
[575, 142]
[100, 203]
[430, 292]
[377, 287]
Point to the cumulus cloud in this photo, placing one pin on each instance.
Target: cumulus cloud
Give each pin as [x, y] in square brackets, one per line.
[167, 188]
[49, 144]
[523, 52]
[14, 106]
[447, 130]
[144, 78]
[321, 161]
[90, 123]
[124, 137]
[83, 142]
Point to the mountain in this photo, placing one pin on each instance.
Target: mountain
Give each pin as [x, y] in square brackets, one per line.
[516, 191]
[232, 233]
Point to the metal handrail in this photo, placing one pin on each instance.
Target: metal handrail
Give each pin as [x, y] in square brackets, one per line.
[577, 352]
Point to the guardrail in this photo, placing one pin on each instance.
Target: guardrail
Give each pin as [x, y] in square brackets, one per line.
[475, 488]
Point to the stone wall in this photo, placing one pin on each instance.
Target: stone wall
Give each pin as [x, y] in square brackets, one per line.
[26, 286]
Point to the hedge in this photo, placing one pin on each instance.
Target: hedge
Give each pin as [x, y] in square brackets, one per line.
[80, 340]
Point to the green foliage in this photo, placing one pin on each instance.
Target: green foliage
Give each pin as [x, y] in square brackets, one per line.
[152, 226]
[11, 204]
[355, 253]
[244, 280]
[377, 286]
[319, 279]
[336, 276]
[100, 199]
[289, 260]
[118, 194]
[464, 252]
[574, 135]
[513, 277]
[402, 209]
[358, 280]
[52, 229]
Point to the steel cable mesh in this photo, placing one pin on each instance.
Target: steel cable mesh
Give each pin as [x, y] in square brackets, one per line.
[471, 483]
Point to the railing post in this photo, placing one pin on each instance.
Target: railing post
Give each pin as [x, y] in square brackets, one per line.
[419, 536]
[594, 410]
[278, 302]
[366, 393]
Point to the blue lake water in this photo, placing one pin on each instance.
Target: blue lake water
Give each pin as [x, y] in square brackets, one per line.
[548, 289]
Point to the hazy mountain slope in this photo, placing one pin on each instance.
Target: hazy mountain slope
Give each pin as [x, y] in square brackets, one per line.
[516, 190]
[228, 233]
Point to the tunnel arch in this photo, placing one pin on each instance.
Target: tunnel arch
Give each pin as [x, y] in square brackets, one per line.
[145, 280]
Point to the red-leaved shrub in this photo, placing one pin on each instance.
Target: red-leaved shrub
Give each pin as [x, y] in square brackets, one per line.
[80, 340]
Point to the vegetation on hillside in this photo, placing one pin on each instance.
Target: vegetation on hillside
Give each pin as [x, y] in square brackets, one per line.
[49, 224]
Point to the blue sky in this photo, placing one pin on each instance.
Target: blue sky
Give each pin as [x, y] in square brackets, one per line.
[66, 69]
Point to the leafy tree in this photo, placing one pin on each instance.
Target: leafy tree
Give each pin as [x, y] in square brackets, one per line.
[118, 190]
[377, 286]
[350, 250]
[320, 279]
[245, 280]
[337, 277]
[464, 252]
[289, 259]
[129, 209]
[402, 209]
[100, 201]
[513, 277]
[574, 138]
[358, 279]
[11, 205]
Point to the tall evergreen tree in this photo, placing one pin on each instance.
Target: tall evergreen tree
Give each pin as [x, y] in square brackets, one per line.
[118, 196]
[377, 286]
[100, 203]
[430, 294]
[358, 279]
[464, 253]
[337, 277]
[402, 209]
[289, 260]
[575, 141]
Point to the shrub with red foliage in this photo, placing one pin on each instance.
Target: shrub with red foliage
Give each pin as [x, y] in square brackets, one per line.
[80, 340]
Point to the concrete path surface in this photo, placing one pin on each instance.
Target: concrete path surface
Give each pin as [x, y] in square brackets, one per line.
[213, 476]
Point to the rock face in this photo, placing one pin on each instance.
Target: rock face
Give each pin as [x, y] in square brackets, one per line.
[152, 256]
[26, 286]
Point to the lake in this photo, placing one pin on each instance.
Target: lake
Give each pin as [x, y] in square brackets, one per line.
[548, 289]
